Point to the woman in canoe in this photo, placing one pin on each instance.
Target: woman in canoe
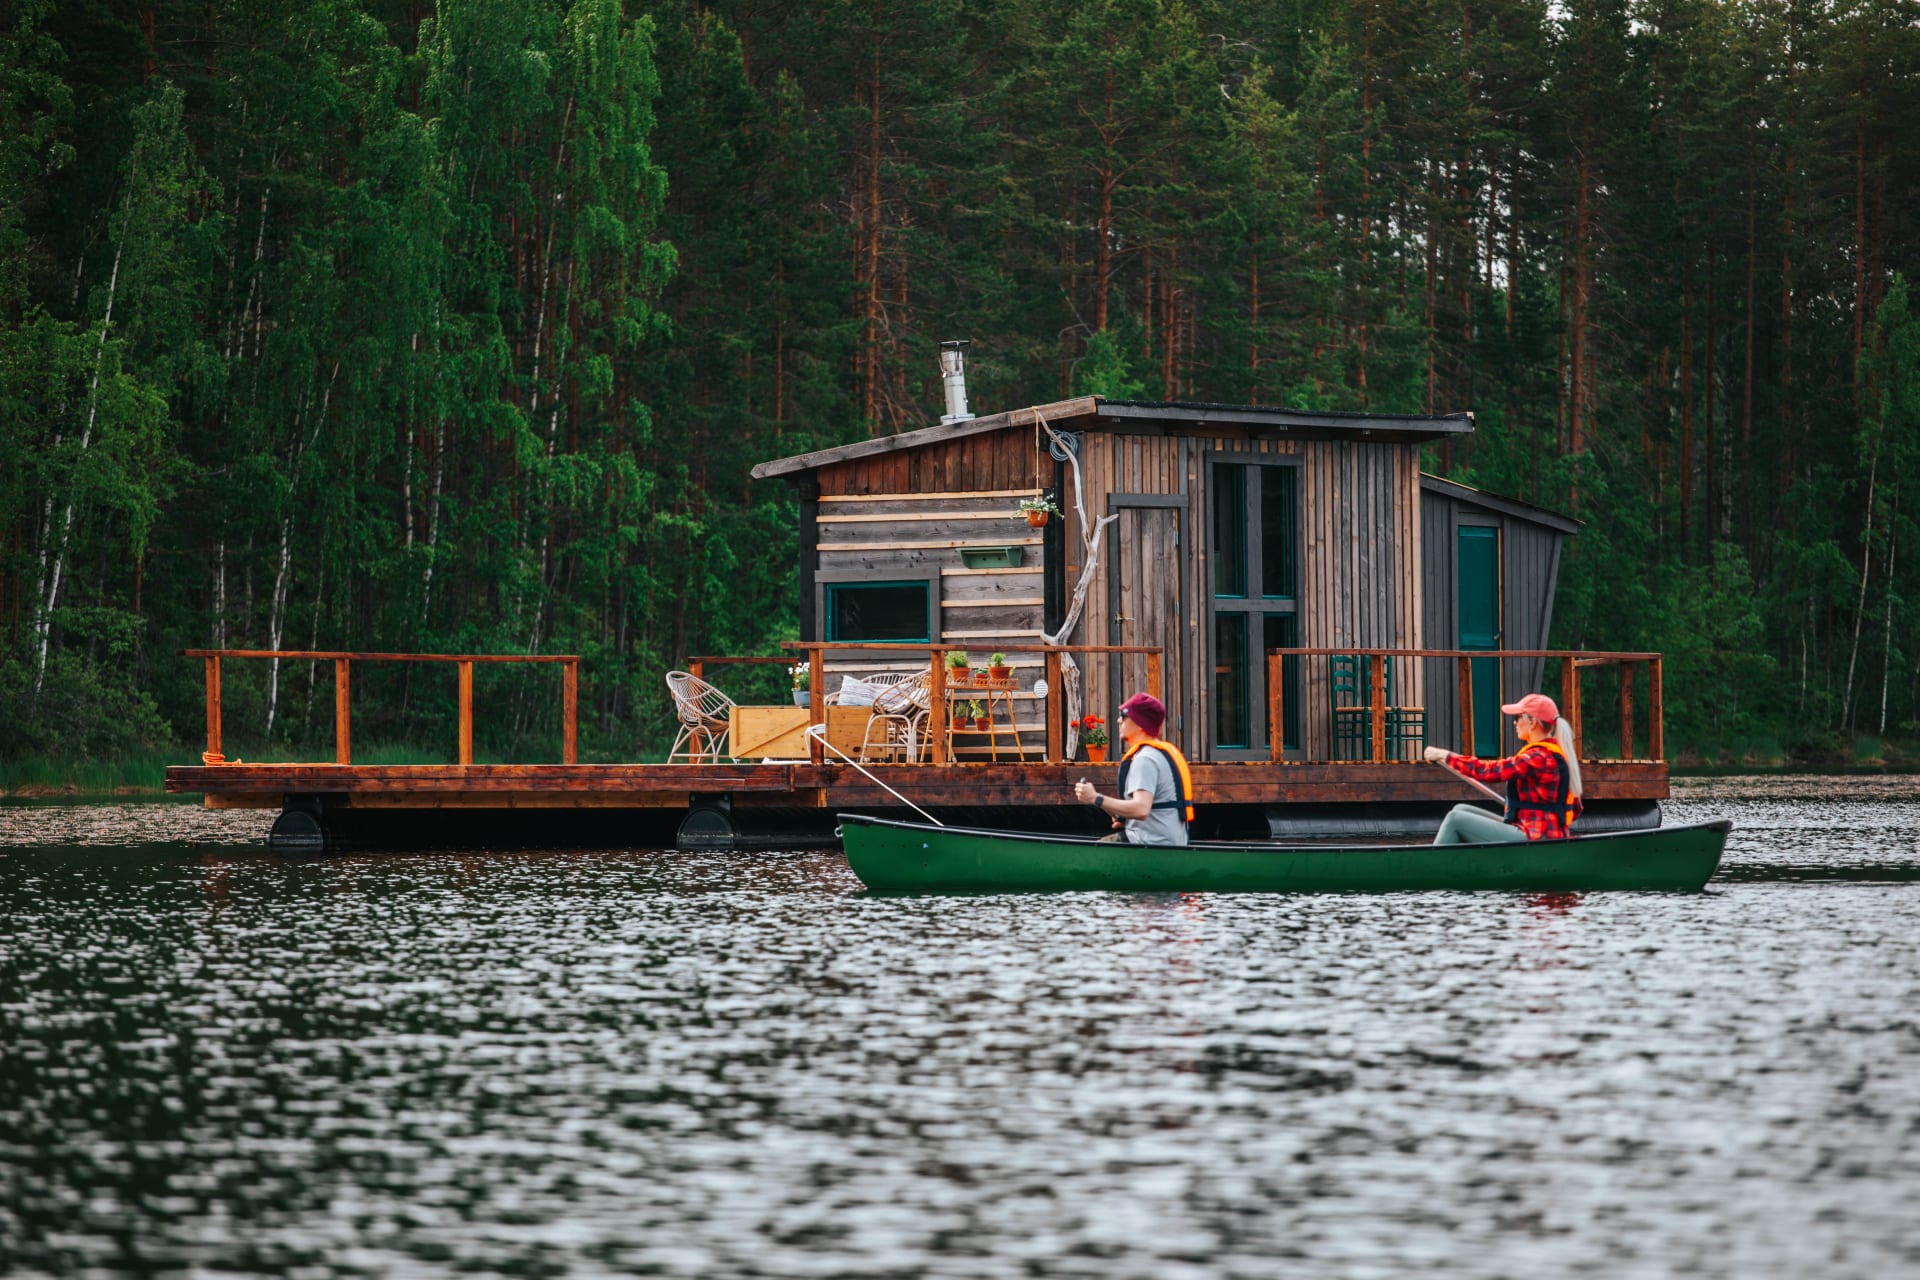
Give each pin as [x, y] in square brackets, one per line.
[1543, 781]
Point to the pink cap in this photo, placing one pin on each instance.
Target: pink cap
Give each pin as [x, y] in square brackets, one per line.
[1537, 705]
[1146, 711]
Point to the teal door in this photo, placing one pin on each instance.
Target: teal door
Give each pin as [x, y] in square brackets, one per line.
[1479, 620]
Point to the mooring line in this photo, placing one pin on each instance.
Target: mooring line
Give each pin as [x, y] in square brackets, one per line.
[820, 731]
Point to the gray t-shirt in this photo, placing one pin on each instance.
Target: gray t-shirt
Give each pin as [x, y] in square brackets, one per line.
[1152, 771]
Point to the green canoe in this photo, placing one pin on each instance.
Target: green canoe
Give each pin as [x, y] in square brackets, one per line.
[889, 854]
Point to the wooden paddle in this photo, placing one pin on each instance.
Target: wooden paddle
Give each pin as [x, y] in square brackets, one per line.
[1491, 794]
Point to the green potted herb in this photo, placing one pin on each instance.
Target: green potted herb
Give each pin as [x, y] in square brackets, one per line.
[978, 714]
[957, 661]
[1037, 509]
[997, 668]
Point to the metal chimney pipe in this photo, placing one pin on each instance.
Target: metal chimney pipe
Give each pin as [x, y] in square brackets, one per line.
[953, 373]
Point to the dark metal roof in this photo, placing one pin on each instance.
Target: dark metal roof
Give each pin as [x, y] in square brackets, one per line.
[1506, 506]
[1094, 413]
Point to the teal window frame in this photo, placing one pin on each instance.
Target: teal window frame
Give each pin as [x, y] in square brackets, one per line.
[1227, 530]
[831, 613]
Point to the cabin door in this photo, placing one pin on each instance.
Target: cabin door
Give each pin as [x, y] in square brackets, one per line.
[1145, 603]
[1478, 576]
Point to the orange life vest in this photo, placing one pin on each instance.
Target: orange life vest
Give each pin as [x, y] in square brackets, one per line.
[1185, 802]
[1564, 804]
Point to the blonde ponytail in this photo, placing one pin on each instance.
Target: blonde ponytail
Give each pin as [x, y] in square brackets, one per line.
[1563, 733]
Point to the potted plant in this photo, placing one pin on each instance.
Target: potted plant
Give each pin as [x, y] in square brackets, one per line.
[978, 714]
[1093, 736]
[956, 661]
[997, 668]
[1037, 509]
[802, 683]
[962, 716]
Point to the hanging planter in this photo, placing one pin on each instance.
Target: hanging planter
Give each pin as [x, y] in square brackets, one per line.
[1036, 510]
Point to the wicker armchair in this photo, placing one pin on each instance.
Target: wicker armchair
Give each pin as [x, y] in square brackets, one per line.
[897, 729]
[705, 717]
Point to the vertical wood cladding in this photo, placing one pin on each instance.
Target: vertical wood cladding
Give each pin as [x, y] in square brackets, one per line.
[1376, 568]
[1361, 551]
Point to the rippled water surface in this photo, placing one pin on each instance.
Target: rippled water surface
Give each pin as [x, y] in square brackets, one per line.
[217, 1061]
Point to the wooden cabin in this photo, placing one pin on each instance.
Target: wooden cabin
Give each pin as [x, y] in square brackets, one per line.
[1238, 529]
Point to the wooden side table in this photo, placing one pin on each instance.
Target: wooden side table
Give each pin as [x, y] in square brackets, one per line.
[986, 691]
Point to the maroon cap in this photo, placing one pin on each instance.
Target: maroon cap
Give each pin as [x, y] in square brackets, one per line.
[1146, 711]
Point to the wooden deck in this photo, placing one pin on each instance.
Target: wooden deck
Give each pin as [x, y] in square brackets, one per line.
[321, 796]
[831, 786]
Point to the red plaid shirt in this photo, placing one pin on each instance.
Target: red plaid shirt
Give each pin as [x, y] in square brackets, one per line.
[1535, 775]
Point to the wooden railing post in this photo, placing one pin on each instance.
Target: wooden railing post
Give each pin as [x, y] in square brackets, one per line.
[1276, 707]
[697, 669]
[1377, 700]
[939, 714]
[342, 722]
[1656, 712]
[1466, 705]
[1570, 690]
[1626, 710]
[570, 713]
[213, 707]
[816, 700]
[1153, 675]
[1056, 699]
[466, 713]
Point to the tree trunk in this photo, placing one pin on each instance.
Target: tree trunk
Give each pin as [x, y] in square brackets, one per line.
[1686, 411]
[66, 521]
[1860, 604]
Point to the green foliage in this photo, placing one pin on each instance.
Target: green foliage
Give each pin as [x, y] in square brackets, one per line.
[345, 326]
[1106, 371]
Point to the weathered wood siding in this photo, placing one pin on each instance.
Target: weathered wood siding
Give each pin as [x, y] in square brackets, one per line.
[908, 516]
[1529, 576]
[1360, 579]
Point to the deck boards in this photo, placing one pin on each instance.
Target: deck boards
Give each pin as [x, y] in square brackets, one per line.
[656, 786]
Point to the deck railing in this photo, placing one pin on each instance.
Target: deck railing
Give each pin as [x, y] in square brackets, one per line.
[343, 684]
[1572, 663]
[815, 655]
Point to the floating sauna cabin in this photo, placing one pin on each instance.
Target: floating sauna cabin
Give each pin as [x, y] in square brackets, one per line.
[1239, 529]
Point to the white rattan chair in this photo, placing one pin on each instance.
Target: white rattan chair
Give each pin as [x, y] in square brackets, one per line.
[705, 718]
[897, 728]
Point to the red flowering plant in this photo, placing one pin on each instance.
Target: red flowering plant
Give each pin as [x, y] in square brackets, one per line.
[1092, 732]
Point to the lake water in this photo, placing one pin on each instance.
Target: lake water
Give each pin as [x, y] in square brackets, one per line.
[216, 1061]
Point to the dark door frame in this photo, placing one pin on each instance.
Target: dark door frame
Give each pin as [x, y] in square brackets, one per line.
[1257, 607]
[1464, 520]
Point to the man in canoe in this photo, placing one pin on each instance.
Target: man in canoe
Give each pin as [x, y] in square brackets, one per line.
[1543, 781]
[1155, 803]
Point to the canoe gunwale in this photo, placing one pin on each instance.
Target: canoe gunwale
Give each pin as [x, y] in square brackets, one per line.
[1721, 825]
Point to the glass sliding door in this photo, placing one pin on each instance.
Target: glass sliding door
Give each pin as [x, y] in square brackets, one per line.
[1254, 542]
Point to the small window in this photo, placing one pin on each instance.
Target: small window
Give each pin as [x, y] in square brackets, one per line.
[1279, 524]
[1229, 530]
[879, 611]
[1282, 631]
[1230, 678]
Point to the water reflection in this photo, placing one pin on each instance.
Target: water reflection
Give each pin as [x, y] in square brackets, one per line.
[636, 1062]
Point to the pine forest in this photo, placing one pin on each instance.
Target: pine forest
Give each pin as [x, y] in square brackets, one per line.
[396, 325]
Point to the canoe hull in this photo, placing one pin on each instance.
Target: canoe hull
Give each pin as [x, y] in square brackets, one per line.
[889, 854]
